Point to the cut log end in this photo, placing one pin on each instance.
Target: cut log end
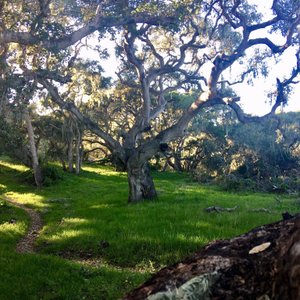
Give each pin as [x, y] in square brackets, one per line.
[261, 264]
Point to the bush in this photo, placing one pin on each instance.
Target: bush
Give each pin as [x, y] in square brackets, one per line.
[231, 183]
[201, 177]
[234, 183]
[284, 184]
[51, 175]
[27, 177]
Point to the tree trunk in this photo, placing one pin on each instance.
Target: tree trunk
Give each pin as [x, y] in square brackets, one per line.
[70, 155]
[63, 164]
[35, 161]
[141, 185]
[78, 151]
[118, 163]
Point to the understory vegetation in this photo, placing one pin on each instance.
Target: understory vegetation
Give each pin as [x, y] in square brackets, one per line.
[218, 149]
[94, 245]
[261, 156]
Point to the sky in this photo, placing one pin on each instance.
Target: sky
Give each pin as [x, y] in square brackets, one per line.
[254, 98]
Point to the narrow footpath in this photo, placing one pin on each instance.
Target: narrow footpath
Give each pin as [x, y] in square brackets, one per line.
[26, 244]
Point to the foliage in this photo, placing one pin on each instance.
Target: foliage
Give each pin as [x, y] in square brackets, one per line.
[51, 175]
[174, 62]
[12, 141]
[239, 156]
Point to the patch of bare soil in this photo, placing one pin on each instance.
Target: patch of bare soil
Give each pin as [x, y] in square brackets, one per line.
[261, 264]
[26, 244]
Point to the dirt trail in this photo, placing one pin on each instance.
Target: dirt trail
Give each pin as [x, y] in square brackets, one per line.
[26, 244]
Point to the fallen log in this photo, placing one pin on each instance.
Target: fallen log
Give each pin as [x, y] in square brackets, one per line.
[261, 264]
[219, 209]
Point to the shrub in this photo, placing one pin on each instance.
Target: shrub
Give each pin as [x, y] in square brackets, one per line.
[231, 183]
[201, 176]
[284, 184]
[51, 175]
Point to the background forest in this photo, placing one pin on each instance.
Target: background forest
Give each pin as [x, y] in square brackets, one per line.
[176, 65]
[217, 149]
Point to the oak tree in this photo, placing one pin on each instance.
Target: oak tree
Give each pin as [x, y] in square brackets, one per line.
[161, 47]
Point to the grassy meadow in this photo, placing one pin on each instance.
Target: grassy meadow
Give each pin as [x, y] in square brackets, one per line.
[95, 246]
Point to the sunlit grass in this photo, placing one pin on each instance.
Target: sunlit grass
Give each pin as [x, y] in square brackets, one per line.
[87, 220]
[106, 171]
[30, 199]
[13, 224]
[13, 166]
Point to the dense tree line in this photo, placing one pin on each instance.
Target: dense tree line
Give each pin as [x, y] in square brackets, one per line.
[216, 149]
[258, 156]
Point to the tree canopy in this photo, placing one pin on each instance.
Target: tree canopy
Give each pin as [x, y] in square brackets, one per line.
[162, 47]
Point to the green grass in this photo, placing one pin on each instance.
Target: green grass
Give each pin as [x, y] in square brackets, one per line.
[96, 246]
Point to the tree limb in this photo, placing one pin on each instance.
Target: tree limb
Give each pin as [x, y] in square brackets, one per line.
[112, 144]
[98, 23]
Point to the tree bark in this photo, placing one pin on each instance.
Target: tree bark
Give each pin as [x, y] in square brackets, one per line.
[78, 151]
[141, 185]
[118, 163]
[261, 264]
[35, 161]
[70, 155]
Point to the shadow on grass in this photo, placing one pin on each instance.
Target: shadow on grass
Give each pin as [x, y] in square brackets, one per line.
[87, 217]
[34, 276]
[47, 277]
[10, 179]
[83, 211]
